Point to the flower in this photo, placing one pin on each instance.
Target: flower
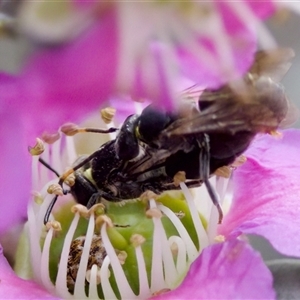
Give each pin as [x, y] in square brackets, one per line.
[228, 258]
[13, 287]
[66, 82]
[51, 87]
[233, 258]
[266, 195]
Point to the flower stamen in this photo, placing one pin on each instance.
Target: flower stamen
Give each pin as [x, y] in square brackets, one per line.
[99, 245]
[38, 148]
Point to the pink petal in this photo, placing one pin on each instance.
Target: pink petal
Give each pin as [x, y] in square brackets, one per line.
[65, 83]
[13, 287]
[15, 175]
[267, 193]
[242, 42]
[230, 270]
[262, 9]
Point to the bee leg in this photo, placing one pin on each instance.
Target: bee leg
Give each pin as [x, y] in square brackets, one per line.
[49, 209]
[51, 205]
[44, 163]
[204, 157]
[215, 199]
[93, 200]
[204, 160]
[96, 198]
[62, 178]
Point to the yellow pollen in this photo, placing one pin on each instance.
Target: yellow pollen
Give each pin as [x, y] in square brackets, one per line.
[148, 195]
[81, 209]
[137, 240]
[70, 180]
[276, 134]
[107, 114]
[160, 292]
[38, 148]
[56, 226]
[122, 255]
[103, 219]
[174, 249]
[37, 197]
[239, 161]
[98, 209]
[153, 213]
[219, 238]
[55, 189]
[179, 177]
[50, 138]
[69, 129]
[224, 171]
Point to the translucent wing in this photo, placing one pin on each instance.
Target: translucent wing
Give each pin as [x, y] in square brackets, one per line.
[254, 103]
[272, 63]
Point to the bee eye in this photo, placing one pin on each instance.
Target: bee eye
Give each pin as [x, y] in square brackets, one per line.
[151, 122]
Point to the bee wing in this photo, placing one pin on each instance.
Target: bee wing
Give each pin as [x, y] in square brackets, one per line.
[291, 117]
[224, 114]
[272, 63]
[203, 123]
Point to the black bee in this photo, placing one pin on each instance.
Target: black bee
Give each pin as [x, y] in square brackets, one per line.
[197, 138]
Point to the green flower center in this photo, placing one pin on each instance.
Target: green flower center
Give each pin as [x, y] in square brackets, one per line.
[131, 249]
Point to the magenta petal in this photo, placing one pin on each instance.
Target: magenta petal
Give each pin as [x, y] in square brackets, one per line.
[15, 175]
[13, 287]
[230, 270]
[262, 9]
[64, 83]
[267, 192]
[239, 34]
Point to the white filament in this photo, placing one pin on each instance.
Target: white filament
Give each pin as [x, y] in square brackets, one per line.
[167, 265]
[122, 283]
[181, 253]
[104, 275]
[192, 251]
[201, 233]
[60, 283]
[143, 279]
[93, 292]
[79, 291]
[157, 278]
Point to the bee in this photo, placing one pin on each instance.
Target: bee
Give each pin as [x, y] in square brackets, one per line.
[197, 138]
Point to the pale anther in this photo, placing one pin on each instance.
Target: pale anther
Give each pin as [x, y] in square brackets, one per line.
[38, 148]
[69, 129]
[224, 171]
[55, 189]
[107, 114]
[148, 195]
[103, 219]
[97, 209]
[81, 209]
[153, 213]
[137, 240]
[219, 238]
[55, 225]
[163, 291]
[50, 138]
[70, 180]
[37, 197]
[179, 177]
[239, 161]
[122, 255]
[174, 249]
